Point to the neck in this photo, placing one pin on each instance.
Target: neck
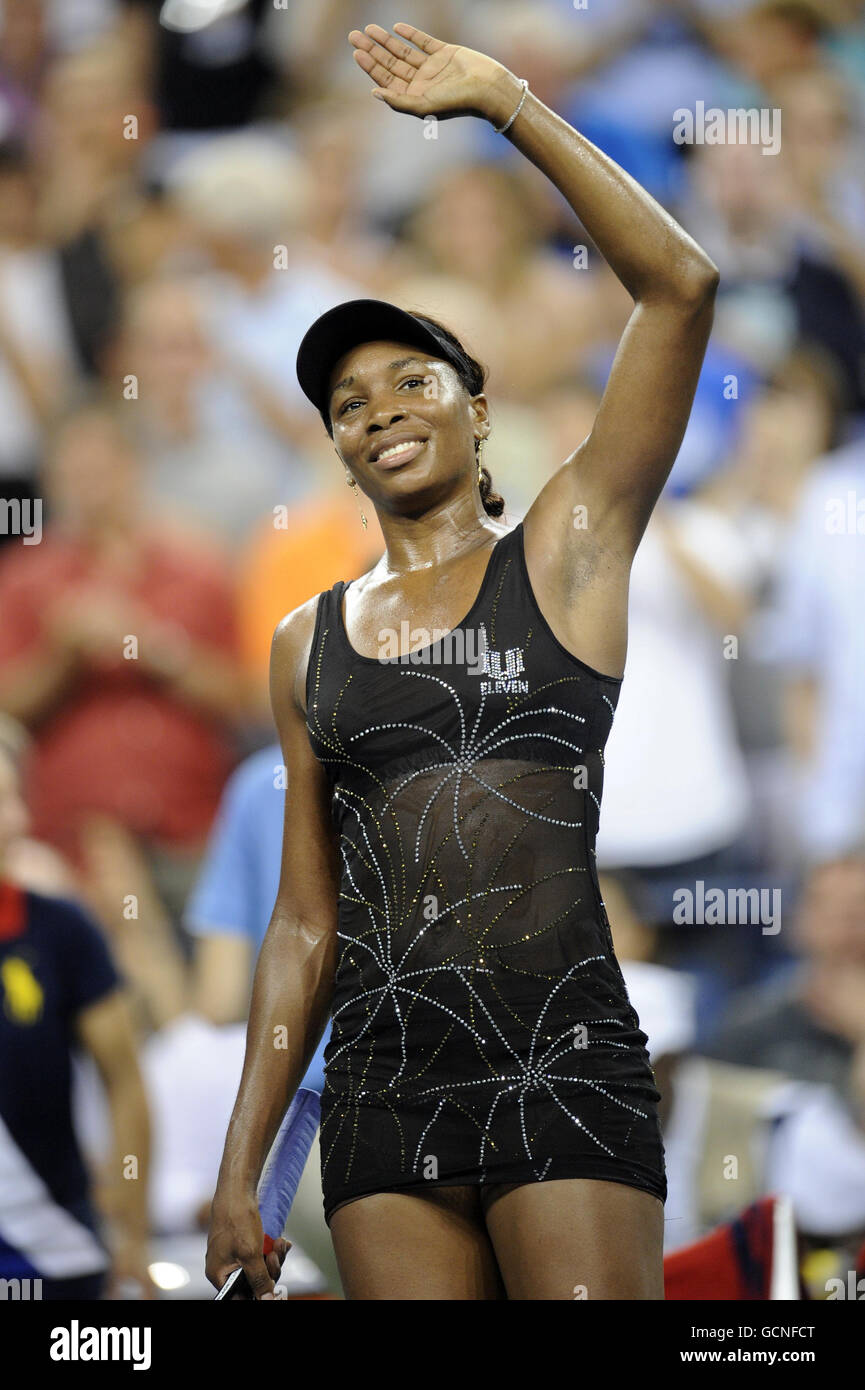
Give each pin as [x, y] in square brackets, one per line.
[413, 543]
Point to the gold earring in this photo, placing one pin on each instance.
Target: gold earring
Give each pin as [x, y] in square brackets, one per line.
[480, 460]
[352, 482]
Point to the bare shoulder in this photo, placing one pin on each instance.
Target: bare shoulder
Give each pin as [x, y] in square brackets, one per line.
[289, 658]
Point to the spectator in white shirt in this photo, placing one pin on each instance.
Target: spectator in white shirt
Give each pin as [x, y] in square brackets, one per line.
[818, 635]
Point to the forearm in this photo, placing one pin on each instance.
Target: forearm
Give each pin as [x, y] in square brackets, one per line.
[41, 382]
[651, 254]
[723, 604]
[213, 684]
[291, 1000]
[126, 1191]
[198, 675]
[147, 950]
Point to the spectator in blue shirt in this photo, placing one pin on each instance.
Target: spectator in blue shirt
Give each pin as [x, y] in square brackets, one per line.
[230, 908]
[60, 991]
[228, 913]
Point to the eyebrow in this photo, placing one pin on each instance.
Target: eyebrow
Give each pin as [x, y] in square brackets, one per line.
[400, 362]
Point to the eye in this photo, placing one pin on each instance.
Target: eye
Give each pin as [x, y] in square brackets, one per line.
[346, 406]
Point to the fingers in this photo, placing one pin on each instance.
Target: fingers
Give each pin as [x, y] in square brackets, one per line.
[258, 1277]
[380, 62]
[378, 73]
[399, 101]
[392, 65]
[274, 1260]
[417, 36]
[218, 1275]
[393, 45]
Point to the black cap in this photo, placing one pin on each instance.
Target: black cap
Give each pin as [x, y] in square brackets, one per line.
[360, 321]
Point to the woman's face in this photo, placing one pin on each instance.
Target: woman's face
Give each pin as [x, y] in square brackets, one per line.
[403, 423]
[473, 224]
[92, 472]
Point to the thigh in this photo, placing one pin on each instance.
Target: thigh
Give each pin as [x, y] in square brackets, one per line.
[424, 1244]
[578, 1238]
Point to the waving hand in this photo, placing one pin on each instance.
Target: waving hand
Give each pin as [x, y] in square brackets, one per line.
[423, 76]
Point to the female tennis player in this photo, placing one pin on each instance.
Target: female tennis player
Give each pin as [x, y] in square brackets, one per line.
[489, 1124]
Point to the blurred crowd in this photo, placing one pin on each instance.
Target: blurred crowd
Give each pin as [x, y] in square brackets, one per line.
[178, 202]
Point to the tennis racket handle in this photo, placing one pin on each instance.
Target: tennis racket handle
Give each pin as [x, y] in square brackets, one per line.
[280, 1177]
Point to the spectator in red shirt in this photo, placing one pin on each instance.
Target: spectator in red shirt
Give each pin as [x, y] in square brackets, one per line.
[117, 651]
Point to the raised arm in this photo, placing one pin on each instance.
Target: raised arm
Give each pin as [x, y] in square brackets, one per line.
[645, 408]
[616, 475]
[293, 979]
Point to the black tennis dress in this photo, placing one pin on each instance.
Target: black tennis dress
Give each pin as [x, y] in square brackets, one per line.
[482, 1031]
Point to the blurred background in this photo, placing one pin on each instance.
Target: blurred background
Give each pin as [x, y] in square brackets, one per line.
[184, 187]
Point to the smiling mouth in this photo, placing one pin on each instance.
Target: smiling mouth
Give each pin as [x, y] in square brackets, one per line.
[399, 453]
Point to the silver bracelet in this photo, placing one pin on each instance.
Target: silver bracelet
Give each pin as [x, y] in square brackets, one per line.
[500, 130]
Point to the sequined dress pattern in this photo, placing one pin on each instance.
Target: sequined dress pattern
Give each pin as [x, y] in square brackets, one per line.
[482, 1031]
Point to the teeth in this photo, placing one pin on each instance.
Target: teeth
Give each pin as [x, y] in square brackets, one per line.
[399, 448]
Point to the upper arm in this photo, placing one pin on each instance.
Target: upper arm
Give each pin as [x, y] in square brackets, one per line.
[644, 410]
[583, 529]
[105, 1030]
[225, 889]
[98, 1004]
[618, 472]
[309, 879]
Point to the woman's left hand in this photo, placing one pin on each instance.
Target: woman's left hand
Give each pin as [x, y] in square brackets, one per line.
[434, 78]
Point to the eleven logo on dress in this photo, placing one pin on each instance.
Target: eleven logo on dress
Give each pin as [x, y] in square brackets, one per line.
[503, 668]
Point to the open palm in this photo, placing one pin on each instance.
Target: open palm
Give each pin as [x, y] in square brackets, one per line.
[430, 79]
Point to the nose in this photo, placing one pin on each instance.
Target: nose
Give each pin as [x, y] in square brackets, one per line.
[383, 417]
